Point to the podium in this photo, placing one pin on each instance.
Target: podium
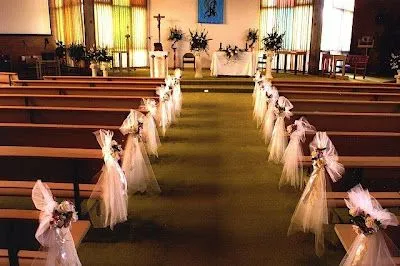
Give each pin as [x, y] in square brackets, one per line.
[158, 64]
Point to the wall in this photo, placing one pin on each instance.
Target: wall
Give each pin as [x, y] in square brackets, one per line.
[240, 15]
[380, 19]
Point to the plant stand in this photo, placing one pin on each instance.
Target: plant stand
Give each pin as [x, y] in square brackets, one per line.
[93, 67]
[397, 77]
[268, 70]
[199, 69]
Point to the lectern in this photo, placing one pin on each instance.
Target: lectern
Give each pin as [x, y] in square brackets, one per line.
[158, 64]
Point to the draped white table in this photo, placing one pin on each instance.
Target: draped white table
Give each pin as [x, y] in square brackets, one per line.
[244, 65]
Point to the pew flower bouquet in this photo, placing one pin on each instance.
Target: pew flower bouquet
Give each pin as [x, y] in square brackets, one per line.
[273, 41]
[63, 215]
[395, 61]
[252, 37]
[199, 41]
[175, 35]
[116, 150]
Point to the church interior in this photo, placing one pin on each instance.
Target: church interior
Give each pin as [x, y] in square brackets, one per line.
[200, 132]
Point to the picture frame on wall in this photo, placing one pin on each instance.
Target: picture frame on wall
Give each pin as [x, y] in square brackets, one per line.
[211, 11]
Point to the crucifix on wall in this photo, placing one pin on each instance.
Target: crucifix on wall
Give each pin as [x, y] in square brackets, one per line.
[158, 46]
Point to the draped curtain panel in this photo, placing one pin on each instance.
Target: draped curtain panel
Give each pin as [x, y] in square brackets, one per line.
[68, 19]
[337, 25]
[114, 19]
[291, 17]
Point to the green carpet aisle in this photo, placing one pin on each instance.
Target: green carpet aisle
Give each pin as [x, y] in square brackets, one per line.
[220, 203]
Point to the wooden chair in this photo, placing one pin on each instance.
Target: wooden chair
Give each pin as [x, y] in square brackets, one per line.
[189, 58]
[357, 62]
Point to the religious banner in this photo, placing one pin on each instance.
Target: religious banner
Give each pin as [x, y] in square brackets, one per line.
[211, 11]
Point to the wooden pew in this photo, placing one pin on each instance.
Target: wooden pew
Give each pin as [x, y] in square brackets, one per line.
[135, 101]
[347, 235]
[53, 135]
[14, 222]
[68, 90]
[85, 83]
[337, 88]
[344, 96]
[57, 165]
[64, 115]
[100, 78]
[90, 101]
[6, 78]
[341, 121]
[278, 81]
[386, 199]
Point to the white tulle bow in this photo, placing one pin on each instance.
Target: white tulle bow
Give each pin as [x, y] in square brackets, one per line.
[133, 124]
[58, 240]
[284, 106]
[164, 112]
[324, 146]
[151, 106]
[302, 126]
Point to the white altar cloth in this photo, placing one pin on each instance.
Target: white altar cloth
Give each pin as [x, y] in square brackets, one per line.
[158, 64]
[244, 65]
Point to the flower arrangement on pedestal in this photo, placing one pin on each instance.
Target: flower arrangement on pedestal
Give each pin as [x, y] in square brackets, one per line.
[395, 65]
[272, 43]
[198, 43]
[77, 52]
[98, 56]
[61, 51]
[252, 37]
[175, 35]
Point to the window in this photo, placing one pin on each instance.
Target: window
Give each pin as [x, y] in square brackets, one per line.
[292, 17]
[337, 25]
[68, 20]
[114, 19]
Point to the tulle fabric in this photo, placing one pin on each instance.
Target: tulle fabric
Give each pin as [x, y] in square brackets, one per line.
[261, 102]
[269, 118]
[163, 109]
[292, 173]
[135, 164]
[369, 249]
[278, 142]
[177, 93]
[60, 245]
[112, 185]
[311, 213]
[150, 133]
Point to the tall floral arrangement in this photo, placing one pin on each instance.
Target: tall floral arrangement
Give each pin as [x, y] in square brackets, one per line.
[77, 51]
[175, 35]
[61, 50]
[394, 61]
[199, 41]
[252, 37]
[273, 41]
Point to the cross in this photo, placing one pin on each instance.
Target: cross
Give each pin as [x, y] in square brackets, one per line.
[159, 17]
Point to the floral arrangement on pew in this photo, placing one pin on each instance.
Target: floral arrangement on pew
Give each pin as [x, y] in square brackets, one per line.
[199, 41]
[232, 52]
[369, 218]
[252, 37]
[175, 35]
[54, 228]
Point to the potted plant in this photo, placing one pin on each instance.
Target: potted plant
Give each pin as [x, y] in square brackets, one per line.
[77, 52]
[104, 59]
[272, 43]
[252, 37]
[395, 65]
[61, 51]
[198, 44]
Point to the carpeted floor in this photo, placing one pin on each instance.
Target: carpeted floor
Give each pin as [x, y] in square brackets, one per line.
[220, 203]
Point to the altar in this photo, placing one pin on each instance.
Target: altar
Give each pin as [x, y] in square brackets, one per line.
[244, 65]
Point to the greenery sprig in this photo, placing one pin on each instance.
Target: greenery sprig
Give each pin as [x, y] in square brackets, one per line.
[252, 37]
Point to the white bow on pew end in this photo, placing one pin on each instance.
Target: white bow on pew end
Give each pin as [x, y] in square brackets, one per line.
[135, 162]
[312, 209]
[260, 106]
[150, 133]
[53, 232]
[369, 218]
[163, 109]
[170, 84]
[278, 142]
[177, 92]
[272, 96]
[292, 173]
[112, 185]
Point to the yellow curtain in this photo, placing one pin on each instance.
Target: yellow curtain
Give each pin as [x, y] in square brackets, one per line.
[291, 17]
[68, 18]
[114, 19]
